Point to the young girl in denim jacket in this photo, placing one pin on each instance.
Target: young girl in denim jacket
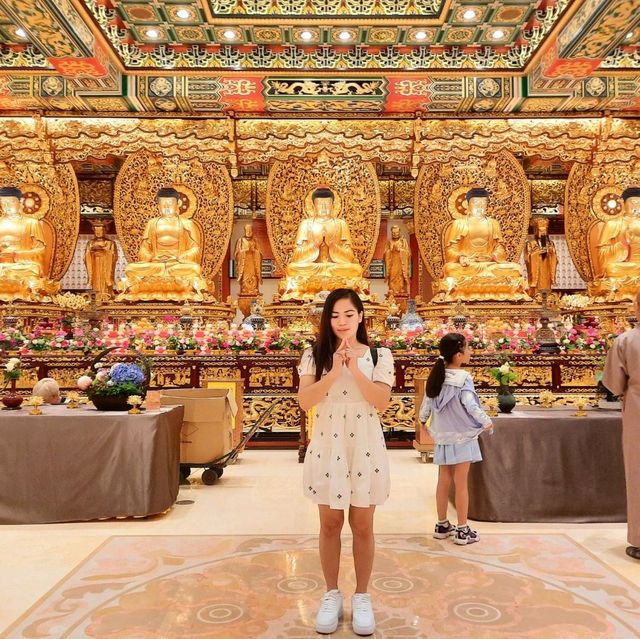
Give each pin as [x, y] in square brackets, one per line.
[456, 421]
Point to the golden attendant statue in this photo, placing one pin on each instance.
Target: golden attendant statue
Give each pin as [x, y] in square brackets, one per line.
[397, 260]
[248, 260]
[322, 258]
[476, 266]
[100, 260]
[22, 251]
[541, 258]
[615, 251]
[169, 257]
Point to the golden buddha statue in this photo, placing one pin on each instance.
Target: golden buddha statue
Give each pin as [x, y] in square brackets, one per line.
[100, 260]
[169, 257]
[476, 266]
[322, 258]
[541, 258]
[615, 252]
[397, 261]
[22, 251]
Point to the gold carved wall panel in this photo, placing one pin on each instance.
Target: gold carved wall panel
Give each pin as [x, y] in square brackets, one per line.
[291, 182]
[261, 141]
[51, 195]
[206, 197]
[590, 189]
[440, 191]
[76, 139]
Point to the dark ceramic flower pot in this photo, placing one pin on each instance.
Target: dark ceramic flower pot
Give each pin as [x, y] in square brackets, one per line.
[110, 402]
[506, 399]
[11, 399]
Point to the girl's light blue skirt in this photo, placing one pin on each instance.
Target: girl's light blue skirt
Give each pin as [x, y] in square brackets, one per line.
[448, 454]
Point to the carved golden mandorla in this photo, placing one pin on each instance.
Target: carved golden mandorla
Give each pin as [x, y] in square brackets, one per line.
[289, 185]
[57, 203]
[435, 205]
[584, 206]
[207, 186]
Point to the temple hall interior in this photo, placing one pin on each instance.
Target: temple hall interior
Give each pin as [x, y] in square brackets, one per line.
[269, 265]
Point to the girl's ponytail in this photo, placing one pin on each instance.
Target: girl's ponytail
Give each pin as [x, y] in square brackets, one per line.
[450, 344]
[435, 379]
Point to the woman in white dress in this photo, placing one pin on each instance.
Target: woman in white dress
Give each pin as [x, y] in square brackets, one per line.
[346, 465]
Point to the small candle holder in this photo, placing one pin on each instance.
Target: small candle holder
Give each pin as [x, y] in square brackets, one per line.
[492, 406]
[35, 401]
[134, 401]
[73, 397]
[581, 404]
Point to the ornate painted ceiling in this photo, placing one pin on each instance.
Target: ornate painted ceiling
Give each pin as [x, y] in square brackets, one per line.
[320, 56]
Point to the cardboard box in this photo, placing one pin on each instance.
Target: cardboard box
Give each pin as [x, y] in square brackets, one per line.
[209, 421]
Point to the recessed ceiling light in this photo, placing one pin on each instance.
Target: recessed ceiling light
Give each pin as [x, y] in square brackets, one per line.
[420, 35]
[345, 35]
[230, 35]
[306, 35]
[154, 34]
[629, 35]
[469, 14]
[20, 32]
[184, 14]
[498, 34]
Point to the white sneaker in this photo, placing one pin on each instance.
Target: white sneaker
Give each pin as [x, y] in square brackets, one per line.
[362, 614]
[330, 612]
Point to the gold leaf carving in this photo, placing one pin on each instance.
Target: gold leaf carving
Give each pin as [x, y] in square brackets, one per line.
[290, 183]
[140, 178]
[56, 189]
[440, 186]
[583, 209]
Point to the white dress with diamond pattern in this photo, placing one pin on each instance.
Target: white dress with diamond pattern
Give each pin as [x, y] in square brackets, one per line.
[346, 462]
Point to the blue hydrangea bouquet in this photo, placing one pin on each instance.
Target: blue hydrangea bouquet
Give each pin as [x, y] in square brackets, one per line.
[109, 385]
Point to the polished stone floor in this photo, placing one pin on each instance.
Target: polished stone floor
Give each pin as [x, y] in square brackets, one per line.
[239, 559]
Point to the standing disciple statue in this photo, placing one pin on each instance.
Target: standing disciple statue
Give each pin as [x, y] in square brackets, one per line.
[100, 260]
[323, 258]
[476, 265]
[169, 257]
[22, 251]
[397, 260]
[248, 263]
[541, 258]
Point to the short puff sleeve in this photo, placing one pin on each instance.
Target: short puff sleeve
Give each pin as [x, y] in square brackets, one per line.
[384, 371]
[307, 365]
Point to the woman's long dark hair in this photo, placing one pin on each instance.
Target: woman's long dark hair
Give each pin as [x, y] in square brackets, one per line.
[327, 342]
[450, 344]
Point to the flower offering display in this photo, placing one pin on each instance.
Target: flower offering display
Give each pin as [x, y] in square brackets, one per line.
[109, 386]
[12, 400]
[492, 335]
[12, 370]
[505, 376]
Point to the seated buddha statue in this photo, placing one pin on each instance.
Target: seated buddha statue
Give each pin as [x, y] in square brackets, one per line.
[476, 265]
[22, 251]
[322, 258]
[616, 249]
[169, 258]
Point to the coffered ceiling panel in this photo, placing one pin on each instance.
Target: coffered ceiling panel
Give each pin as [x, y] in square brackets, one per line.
[318, 56]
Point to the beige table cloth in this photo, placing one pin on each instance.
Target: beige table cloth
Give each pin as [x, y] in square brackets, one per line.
[71, 465]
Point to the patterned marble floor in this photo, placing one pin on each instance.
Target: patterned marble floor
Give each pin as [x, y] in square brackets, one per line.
[226, 587]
